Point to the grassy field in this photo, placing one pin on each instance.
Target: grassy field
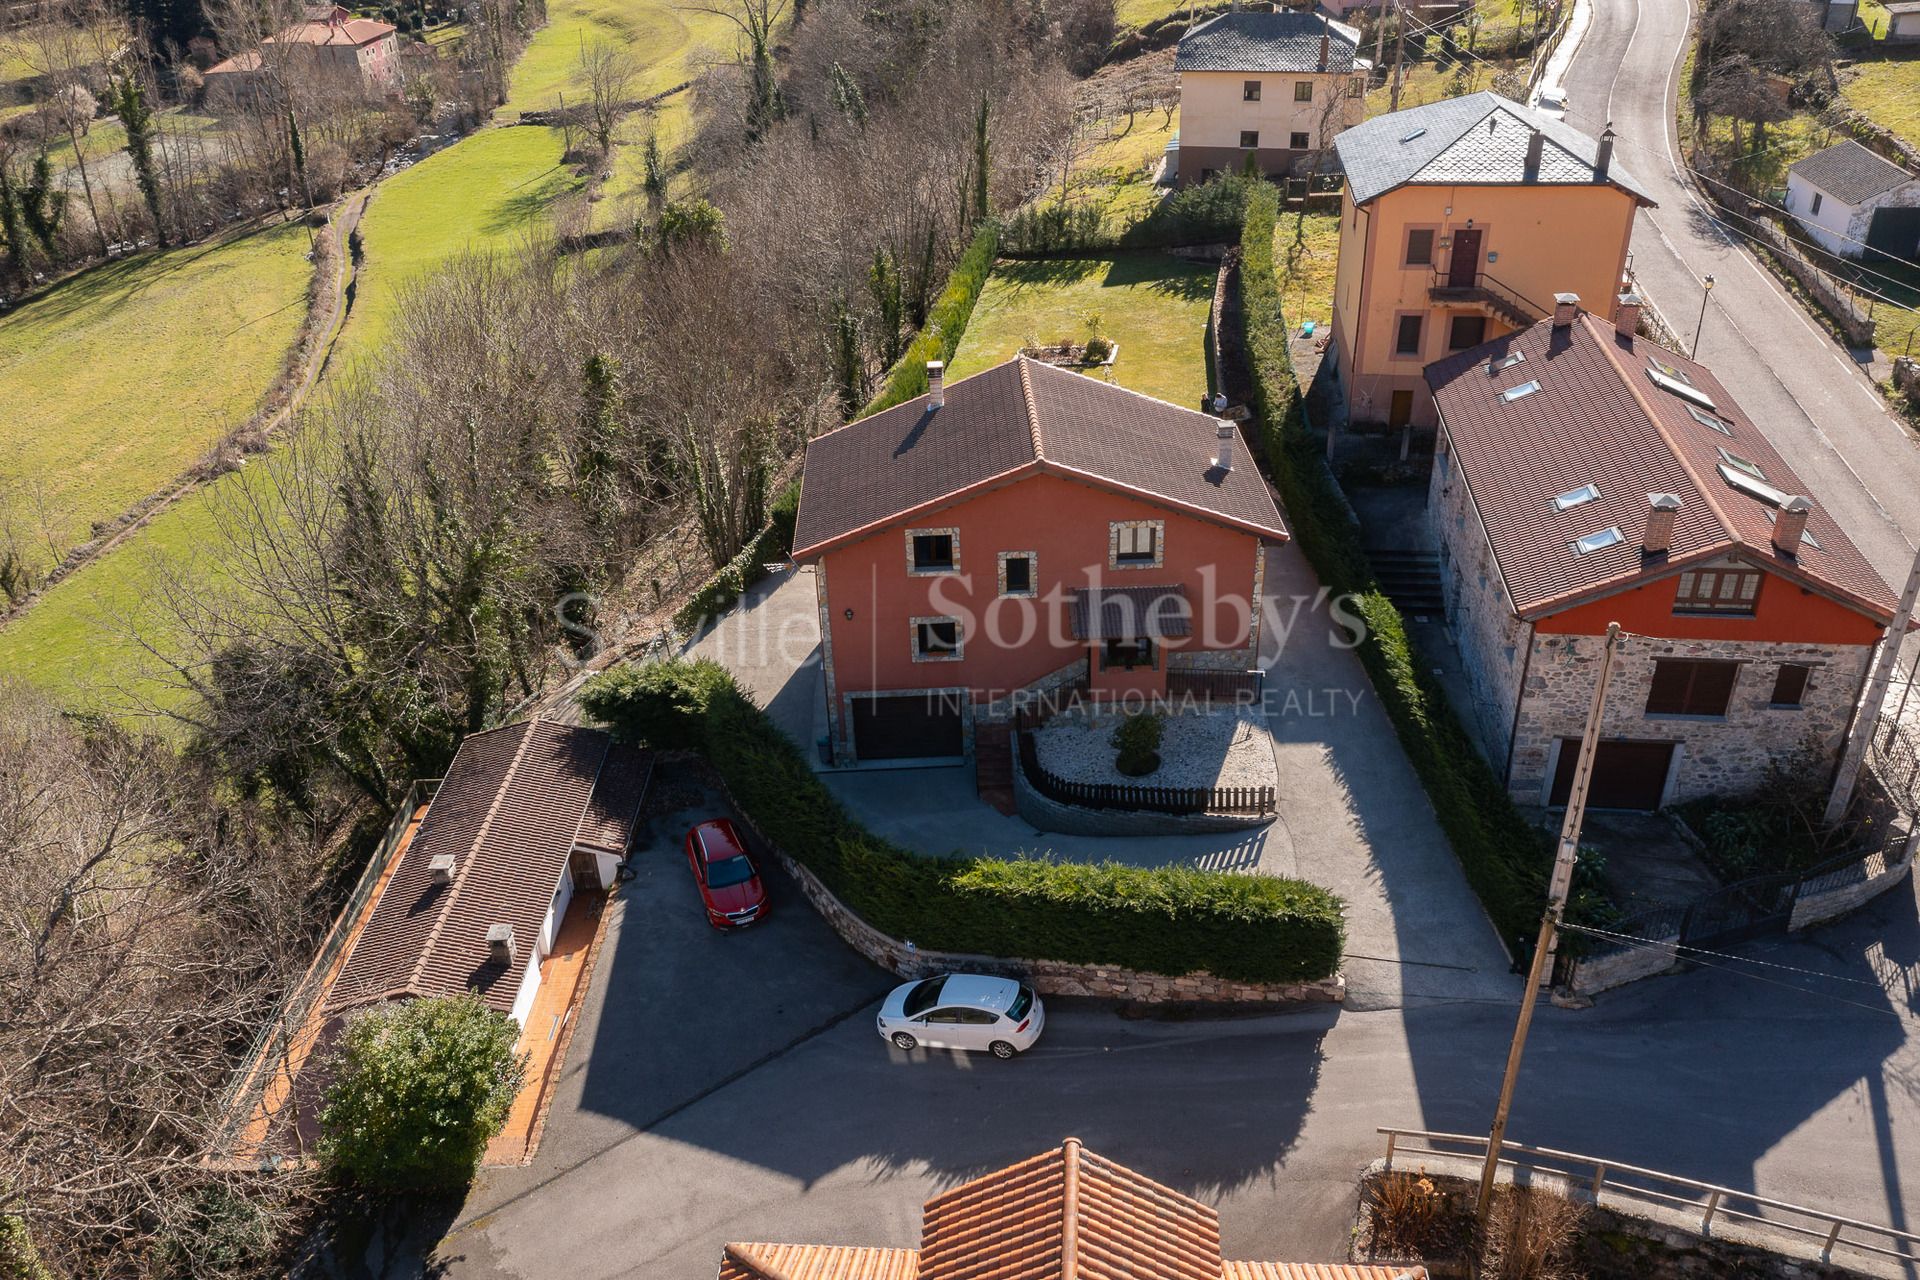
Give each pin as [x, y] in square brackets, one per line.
[1887, 93]
[1118, 173]
[663, 38]
[117, 380]
[1154, 306]
[1306, 285]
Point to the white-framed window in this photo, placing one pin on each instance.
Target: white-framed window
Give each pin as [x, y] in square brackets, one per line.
[1136, 544]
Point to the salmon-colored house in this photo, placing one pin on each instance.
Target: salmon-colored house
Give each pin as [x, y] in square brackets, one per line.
[1023, 531]
[1460, 222]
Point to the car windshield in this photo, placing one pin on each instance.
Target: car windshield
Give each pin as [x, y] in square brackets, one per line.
[734, 870]
[1021, 1003]
[923, 997]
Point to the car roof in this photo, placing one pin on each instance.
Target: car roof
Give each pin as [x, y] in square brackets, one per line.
[718, 839]
[977, 991]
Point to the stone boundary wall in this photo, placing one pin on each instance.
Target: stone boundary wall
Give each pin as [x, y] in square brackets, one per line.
[1630, 965]
[1072, 819]
[1048, 977]
[1834, 896]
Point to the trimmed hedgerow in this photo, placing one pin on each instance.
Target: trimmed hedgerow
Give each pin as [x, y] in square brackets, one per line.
[1506, 860]
[940, 337]
[1170, 920]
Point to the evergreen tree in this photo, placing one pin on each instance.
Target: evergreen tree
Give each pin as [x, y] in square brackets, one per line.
[849, 370]
[43, 206]
[847, 98]
[130, 104]
[13, 232]
[653, 172]
[299, 150]
[923, 274]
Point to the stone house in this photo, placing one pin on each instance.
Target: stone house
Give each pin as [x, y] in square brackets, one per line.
[1277, 86]
[1020, 531]
[1585, 475]
[331, 48]
[1457, 227]
[1848, 198]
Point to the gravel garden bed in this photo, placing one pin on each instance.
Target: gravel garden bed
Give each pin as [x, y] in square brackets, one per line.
[1216, 749]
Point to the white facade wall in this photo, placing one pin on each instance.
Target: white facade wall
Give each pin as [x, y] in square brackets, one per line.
[1841, 228]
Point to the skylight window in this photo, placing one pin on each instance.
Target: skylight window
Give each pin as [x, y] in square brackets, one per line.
[1524, 389]
[1507, 361]
[1676, 384]
[1670, 371]
[1598, 541]
[1751, 487]
[1574, 497]
[1747, 465]
[1708, 420]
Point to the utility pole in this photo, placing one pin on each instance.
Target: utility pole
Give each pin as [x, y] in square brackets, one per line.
[1869, 714]
[1399, 47]
[1380, 36]
[1557, 890]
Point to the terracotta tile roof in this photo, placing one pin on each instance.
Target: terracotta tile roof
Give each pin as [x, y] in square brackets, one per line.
[815, 1262]
[1063, 1213]
[1316, 1271]
[1016, 419]
[337, 27]
[617, 794]
[1128, 613]
[507, 813]
[1068, 1212]
[1599, 418]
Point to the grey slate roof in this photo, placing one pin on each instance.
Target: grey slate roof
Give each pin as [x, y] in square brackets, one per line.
[1284, 41]
[1477, 139]
[1016, 419]
[1850, 173]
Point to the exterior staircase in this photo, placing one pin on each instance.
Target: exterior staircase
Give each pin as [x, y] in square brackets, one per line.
[1488, 294]
[993, 765]
[1411, 580]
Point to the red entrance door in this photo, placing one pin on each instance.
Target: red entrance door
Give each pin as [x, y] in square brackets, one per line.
[1463, 269]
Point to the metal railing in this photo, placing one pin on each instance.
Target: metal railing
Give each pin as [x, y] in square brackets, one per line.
[1443, 284]
[276, 1036]
[1139, 799]
[1591, 1177]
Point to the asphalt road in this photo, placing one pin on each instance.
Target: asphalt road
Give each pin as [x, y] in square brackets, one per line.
[1808, 394]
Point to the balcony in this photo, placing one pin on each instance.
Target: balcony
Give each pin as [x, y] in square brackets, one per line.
[1483, 291]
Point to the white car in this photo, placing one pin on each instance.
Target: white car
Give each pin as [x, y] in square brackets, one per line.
[1552, 102]
[962, 1011]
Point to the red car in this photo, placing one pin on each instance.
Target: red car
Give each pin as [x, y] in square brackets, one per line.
[729, 882]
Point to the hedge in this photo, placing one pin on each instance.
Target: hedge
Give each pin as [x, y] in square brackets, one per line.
[1169, 920]
[723, 590]
[940, 337]
[1505, 858]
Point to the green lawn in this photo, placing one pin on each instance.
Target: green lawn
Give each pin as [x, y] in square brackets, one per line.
[117, 380]
[1306, 285]
[1138, 13]
[1153, 305]
[1887, 93]
[1118, 172]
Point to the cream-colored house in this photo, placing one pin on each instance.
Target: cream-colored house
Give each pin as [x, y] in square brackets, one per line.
[1462, 221]
[1276, 85]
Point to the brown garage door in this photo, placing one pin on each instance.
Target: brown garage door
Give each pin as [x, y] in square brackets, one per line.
[908, 726]
[1626, 775]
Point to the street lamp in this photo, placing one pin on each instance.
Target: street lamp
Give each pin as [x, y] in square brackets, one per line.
[1703, 316]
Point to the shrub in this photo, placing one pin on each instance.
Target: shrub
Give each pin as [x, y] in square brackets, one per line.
[723, 590]
[419, 1088]
[1138, 741]
[1406, 1213]
[1170, 920]
[1505, 859]
[1038, 230]
[1208, 212]
[19, 1260]
[940, 338]
[1531, 1234]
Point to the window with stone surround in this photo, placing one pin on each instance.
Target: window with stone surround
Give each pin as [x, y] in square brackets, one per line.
[1790, 685]
[1135, 544]
[1691, 687]
[931, 551]
[1717, 591]
[1017, 577]
[936, 639]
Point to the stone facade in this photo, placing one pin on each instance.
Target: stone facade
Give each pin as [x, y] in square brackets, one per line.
[1717, 755]
[1493, 642]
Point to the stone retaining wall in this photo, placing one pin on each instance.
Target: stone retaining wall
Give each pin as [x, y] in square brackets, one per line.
[1835, 895]
[1603, 973]
[1048, 977]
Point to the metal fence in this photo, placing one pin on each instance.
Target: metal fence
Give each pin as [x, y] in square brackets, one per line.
[276, 1036]
[1633, 1189]
[1238, 687]
[1140, 799]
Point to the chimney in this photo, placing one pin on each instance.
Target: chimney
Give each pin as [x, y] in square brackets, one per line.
[1662, 510]
[1536, 145]
[1790, 524]
[1626, 315]
[1565, 307]
[441, 868]
[1323, 49]
[1225, 435]
[936, 383]
[500, 948]
[1604, 156]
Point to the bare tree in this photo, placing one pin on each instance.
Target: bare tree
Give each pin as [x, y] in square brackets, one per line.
[608, 72]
